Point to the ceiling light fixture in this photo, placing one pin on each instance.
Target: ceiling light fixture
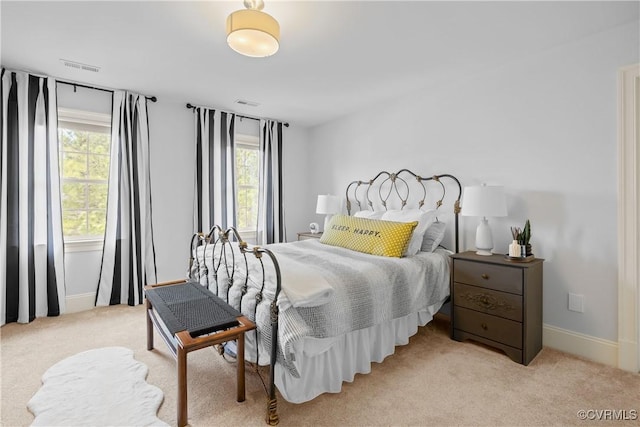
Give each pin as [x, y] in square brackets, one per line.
[252, 32]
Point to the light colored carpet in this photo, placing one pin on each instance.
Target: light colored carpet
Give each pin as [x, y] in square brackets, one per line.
[433, 381]
[99, 387]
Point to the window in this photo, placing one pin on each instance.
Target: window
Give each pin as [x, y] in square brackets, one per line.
[247, 176]
[84, 140]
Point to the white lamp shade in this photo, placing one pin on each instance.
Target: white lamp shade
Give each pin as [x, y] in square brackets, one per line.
[253, 33]
[484, 201]
[327, 204]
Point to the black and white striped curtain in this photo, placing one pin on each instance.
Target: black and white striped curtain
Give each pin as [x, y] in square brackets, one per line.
[215, 189]
[31, 242]
[128, 258]
[270, 204]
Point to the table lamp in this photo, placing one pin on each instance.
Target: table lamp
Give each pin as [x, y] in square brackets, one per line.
[484, 201]
[327, 205]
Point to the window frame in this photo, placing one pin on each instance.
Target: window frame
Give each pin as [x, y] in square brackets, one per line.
[242, 140]
[89, 121]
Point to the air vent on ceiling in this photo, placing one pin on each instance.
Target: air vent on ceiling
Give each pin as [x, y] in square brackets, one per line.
[248, 103]
[80, 66]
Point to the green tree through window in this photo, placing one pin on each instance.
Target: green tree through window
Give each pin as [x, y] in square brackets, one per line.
[247, 175]
[84, 143]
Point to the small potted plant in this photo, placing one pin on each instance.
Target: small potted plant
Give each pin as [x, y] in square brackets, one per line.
[523, 236]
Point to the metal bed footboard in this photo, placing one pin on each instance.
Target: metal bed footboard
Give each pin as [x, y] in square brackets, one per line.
[227, 246]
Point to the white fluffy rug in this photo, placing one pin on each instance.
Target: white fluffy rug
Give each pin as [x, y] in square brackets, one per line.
[101, 387]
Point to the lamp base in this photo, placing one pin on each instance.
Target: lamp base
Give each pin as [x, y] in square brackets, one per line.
[484, 240]
[327, 219]
[483, 252]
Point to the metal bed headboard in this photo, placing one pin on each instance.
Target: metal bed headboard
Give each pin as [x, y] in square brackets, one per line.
[387, 190]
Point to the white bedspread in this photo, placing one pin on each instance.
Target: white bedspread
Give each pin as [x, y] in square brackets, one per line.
[337, 291]
[302, 285]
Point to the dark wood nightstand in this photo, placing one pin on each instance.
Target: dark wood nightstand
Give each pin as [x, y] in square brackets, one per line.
[498, 302]
[307, 235]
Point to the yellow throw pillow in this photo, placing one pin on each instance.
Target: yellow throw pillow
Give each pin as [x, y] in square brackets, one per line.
[371, 236]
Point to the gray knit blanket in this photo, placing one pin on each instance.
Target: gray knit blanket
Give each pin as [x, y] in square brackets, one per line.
[367, 290]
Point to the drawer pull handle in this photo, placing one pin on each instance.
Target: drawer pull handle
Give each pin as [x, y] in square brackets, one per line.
[485, 276]
[484, 326]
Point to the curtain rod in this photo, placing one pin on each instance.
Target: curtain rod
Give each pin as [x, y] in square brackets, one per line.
[189, 105]
[74, 84]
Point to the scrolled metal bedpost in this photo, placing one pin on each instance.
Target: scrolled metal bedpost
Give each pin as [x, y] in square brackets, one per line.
[456, 209]
[272, 408]
[346, 195]
[192, 250]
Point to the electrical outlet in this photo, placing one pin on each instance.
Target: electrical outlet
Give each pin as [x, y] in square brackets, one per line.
[576, 303]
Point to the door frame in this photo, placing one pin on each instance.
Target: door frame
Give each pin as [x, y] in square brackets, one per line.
[628, 207]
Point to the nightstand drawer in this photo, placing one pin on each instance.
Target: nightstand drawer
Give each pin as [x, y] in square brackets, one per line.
[491, 276]
[501, 330]
[488, 301]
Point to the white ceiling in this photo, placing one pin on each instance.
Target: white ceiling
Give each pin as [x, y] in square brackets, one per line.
[335, 56]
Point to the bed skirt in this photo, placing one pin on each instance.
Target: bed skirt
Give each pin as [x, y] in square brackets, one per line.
[327, 363]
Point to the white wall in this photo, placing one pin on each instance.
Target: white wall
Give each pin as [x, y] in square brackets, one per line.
[545, 128]
[299, 201]
[172, 151]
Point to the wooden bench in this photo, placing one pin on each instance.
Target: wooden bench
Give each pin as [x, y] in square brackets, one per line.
[189, 317]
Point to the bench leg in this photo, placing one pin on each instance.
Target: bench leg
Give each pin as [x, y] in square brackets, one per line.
[182, 387]
[149, 327]
[240, 362]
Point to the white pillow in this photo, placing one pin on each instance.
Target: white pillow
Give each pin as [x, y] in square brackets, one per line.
[424, 218]
[369, 214]
[433, 236]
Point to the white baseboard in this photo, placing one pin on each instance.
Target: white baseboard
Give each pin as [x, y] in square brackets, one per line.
[592, 348]
[80, 302]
